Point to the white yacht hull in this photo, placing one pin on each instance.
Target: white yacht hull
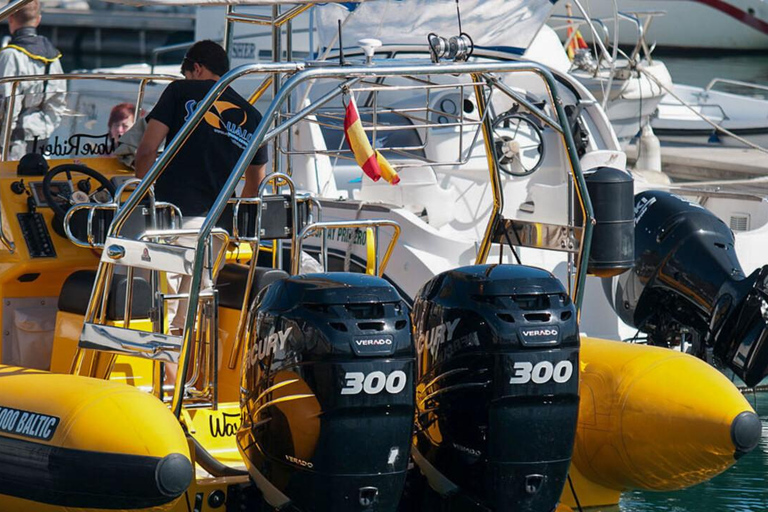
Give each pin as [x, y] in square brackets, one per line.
[701, 24]
[744, 116]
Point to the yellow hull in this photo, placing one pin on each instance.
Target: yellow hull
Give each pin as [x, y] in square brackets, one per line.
[653, 419]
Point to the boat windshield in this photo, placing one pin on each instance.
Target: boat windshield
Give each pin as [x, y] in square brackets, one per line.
[78, 116]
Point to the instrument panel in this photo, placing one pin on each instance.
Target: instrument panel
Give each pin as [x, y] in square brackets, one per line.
[58, 188]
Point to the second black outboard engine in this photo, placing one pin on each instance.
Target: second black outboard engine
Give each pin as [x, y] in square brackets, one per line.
[497, 392]
[687, 279]
[327, 394]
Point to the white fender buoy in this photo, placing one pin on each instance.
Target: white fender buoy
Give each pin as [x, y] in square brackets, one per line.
[648, 151]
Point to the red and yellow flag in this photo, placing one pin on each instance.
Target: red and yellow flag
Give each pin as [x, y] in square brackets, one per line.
[576, 42]
[373, 164]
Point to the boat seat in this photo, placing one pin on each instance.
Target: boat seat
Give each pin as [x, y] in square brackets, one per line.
[76, 293]
[231, 283]
[418, 192]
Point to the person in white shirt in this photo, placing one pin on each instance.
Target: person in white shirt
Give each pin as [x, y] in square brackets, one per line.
[39, 105]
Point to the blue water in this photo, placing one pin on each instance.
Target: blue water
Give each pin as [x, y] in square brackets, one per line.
[700, 69]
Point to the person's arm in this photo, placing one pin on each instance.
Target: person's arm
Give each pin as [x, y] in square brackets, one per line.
[254, 174]
[146, 153]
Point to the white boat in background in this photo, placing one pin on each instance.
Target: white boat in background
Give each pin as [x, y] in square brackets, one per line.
[692, 24]
[681, 121]
[628, 96]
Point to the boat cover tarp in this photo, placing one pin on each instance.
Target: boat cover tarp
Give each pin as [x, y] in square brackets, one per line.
[507, 25]
[183, 3]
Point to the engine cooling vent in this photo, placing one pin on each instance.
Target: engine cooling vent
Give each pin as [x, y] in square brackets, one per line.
[739, 222]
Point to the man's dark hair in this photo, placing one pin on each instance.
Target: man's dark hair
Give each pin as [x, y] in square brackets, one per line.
[206, 53]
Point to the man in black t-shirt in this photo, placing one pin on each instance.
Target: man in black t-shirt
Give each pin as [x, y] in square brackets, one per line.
[198, 172]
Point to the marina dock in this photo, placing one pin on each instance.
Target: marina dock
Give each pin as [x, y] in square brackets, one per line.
[700, 163]
[116, 32]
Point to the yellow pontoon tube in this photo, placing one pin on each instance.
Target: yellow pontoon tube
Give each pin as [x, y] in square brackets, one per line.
[73, 442]
[653, 419]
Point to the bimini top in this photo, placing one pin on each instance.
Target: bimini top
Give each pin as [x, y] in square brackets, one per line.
[179, 3]
[506, 25]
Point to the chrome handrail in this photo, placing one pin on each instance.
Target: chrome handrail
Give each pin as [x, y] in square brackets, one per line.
[12, 7]
[323, 227]
[8, 243]
[740, 83]
[298, 74]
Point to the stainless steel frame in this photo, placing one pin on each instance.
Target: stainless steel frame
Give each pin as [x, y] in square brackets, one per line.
[299, 73]
[323, 227]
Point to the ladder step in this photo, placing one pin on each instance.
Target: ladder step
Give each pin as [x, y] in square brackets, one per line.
[148, 255]
[149, 345]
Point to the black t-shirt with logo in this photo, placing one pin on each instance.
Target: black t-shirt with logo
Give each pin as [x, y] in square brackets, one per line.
[199, 170]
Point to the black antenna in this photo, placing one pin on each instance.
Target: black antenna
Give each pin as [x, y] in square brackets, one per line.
[342, 62]
[458, 15]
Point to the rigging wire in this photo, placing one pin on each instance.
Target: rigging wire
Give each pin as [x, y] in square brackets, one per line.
[458, 15]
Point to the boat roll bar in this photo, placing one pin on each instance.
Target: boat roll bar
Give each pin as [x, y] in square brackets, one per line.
[300, 73]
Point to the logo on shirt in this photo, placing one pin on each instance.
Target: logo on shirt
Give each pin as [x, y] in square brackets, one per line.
[226, 119]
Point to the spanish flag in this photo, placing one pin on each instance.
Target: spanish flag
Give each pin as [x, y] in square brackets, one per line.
[576, 42]
[374, 165]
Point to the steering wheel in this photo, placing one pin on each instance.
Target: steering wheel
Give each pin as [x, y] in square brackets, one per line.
[104, 194]
[518, 145]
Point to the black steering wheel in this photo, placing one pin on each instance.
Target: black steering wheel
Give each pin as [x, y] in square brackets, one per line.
[518, 145]
[104, 194]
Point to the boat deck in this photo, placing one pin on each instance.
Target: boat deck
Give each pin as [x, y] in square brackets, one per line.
[703, 163]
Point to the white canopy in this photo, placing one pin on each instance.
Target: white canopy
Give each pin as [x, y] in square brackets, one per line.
[500, 24]
[181, 3]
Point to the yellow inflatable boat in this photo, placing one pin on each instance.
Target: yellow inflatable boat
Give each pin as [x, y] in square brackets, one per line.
[77, 443]
[653, 419]
[102, 431]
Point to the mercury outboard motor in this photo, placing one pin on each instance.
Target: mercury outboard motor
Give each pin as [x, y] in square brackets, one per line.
[327, 394]
[687, 279]
[497, 391]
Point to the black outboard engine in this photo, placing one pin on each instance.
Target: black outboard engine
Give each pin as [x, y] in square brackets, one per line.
[497, 391]
[327, 394]
[687, 278]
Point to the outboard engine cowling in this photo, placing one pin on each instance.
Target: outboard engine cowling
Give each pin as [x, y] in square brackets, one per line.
[327, 394]
[497, 389]
[687, 278]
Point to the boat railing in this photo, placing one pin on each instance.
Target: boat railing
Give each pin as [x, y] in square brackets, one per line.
[191, 261]
[715, 81]
[642, 20]
[575, 22]
[142, 78]
[372, 228]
